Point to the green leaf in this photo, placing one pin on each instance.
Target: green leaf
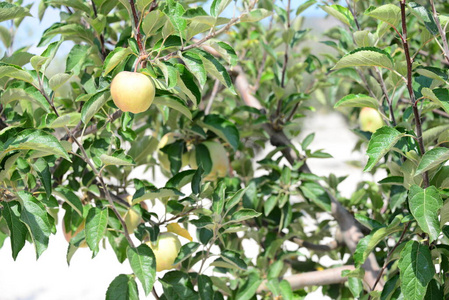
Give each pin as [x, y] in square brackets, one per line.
[170, 74]
[70, 31]
[416, 270]
[114, 58]
[177, 285]
[440, 96]
[174, 103]
[369, 242]
[380, 143]
[196, 66]
[424, 205]
[244, 214]
[365, 57]
[15, 72]
[218, 6]
[202, 221]
[18, 230]
[432, 158]
[180, 179]
[223, 128]
[315, 192]
[234, 258]
[96, 223]
[255, 15]
[339, 12]
[434, 291]
[118, 158]
[35, 139]
[69, 120]
[186, 251]
[35, 217]
[187, 84]
[93, 105]
[205, 289]
[143, 263]
[37, 62]
[70, 198]
[249, 288]
[235, 198]
[14, 94]
[10, 11]
[358, 100]
[158, 194]
[303, 6]
[425, 16]
[388, 13]
[214, 67]
[43, 170]
[286, 290]
[76, 58]
[174, 11]
[5, 36]
[77, 4]
[152, 22]
[227, 52]
[123, 287]
[57, 80]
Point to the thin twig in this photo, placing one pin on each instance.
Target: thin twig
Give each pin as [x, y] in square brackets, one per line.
[209, 36]
[101, 37]
[416, 114]
[388, 257]
[284, 67]
[441, 31]
[137, 26]
[212, 97]
[387, 97]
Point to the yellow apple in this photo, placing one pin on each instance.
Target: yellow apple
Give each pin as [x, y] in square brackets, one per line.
[132, 220]
[132, 91]
[219, 158]
[168, 139]
[165, 250]
[370, 119]
[130, 215]
[69, 235]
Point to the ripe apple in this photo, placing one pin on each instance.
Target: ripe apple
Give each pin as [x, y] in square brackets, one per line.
[165, 250]
[132, 91]
[131, 216]
[219, 157]
[132, 220]
[168, 139]
[370, 119]
[69, 235]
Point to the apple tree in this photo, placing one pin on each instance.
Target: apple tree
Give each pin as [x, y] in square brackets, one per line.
[222, 88]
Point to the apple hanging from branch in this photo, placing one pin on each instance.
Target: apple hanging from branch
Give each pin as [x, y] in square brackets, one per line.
[370, 119]
[165, 250]
[132, 91]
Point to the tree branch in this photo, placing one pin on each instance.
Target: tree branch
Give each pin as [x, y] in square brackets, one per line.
[416, 114]
[315, 278]
[348, 225]
[316, 247]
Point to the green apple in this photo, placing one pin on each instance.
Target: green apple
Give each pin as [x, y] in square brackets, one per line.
[165, 250]
[133, 92]
[370, 119]
[219, 157]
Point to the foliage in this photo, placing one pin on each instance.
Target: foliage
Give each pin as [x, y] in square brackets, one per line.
[67, 152]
